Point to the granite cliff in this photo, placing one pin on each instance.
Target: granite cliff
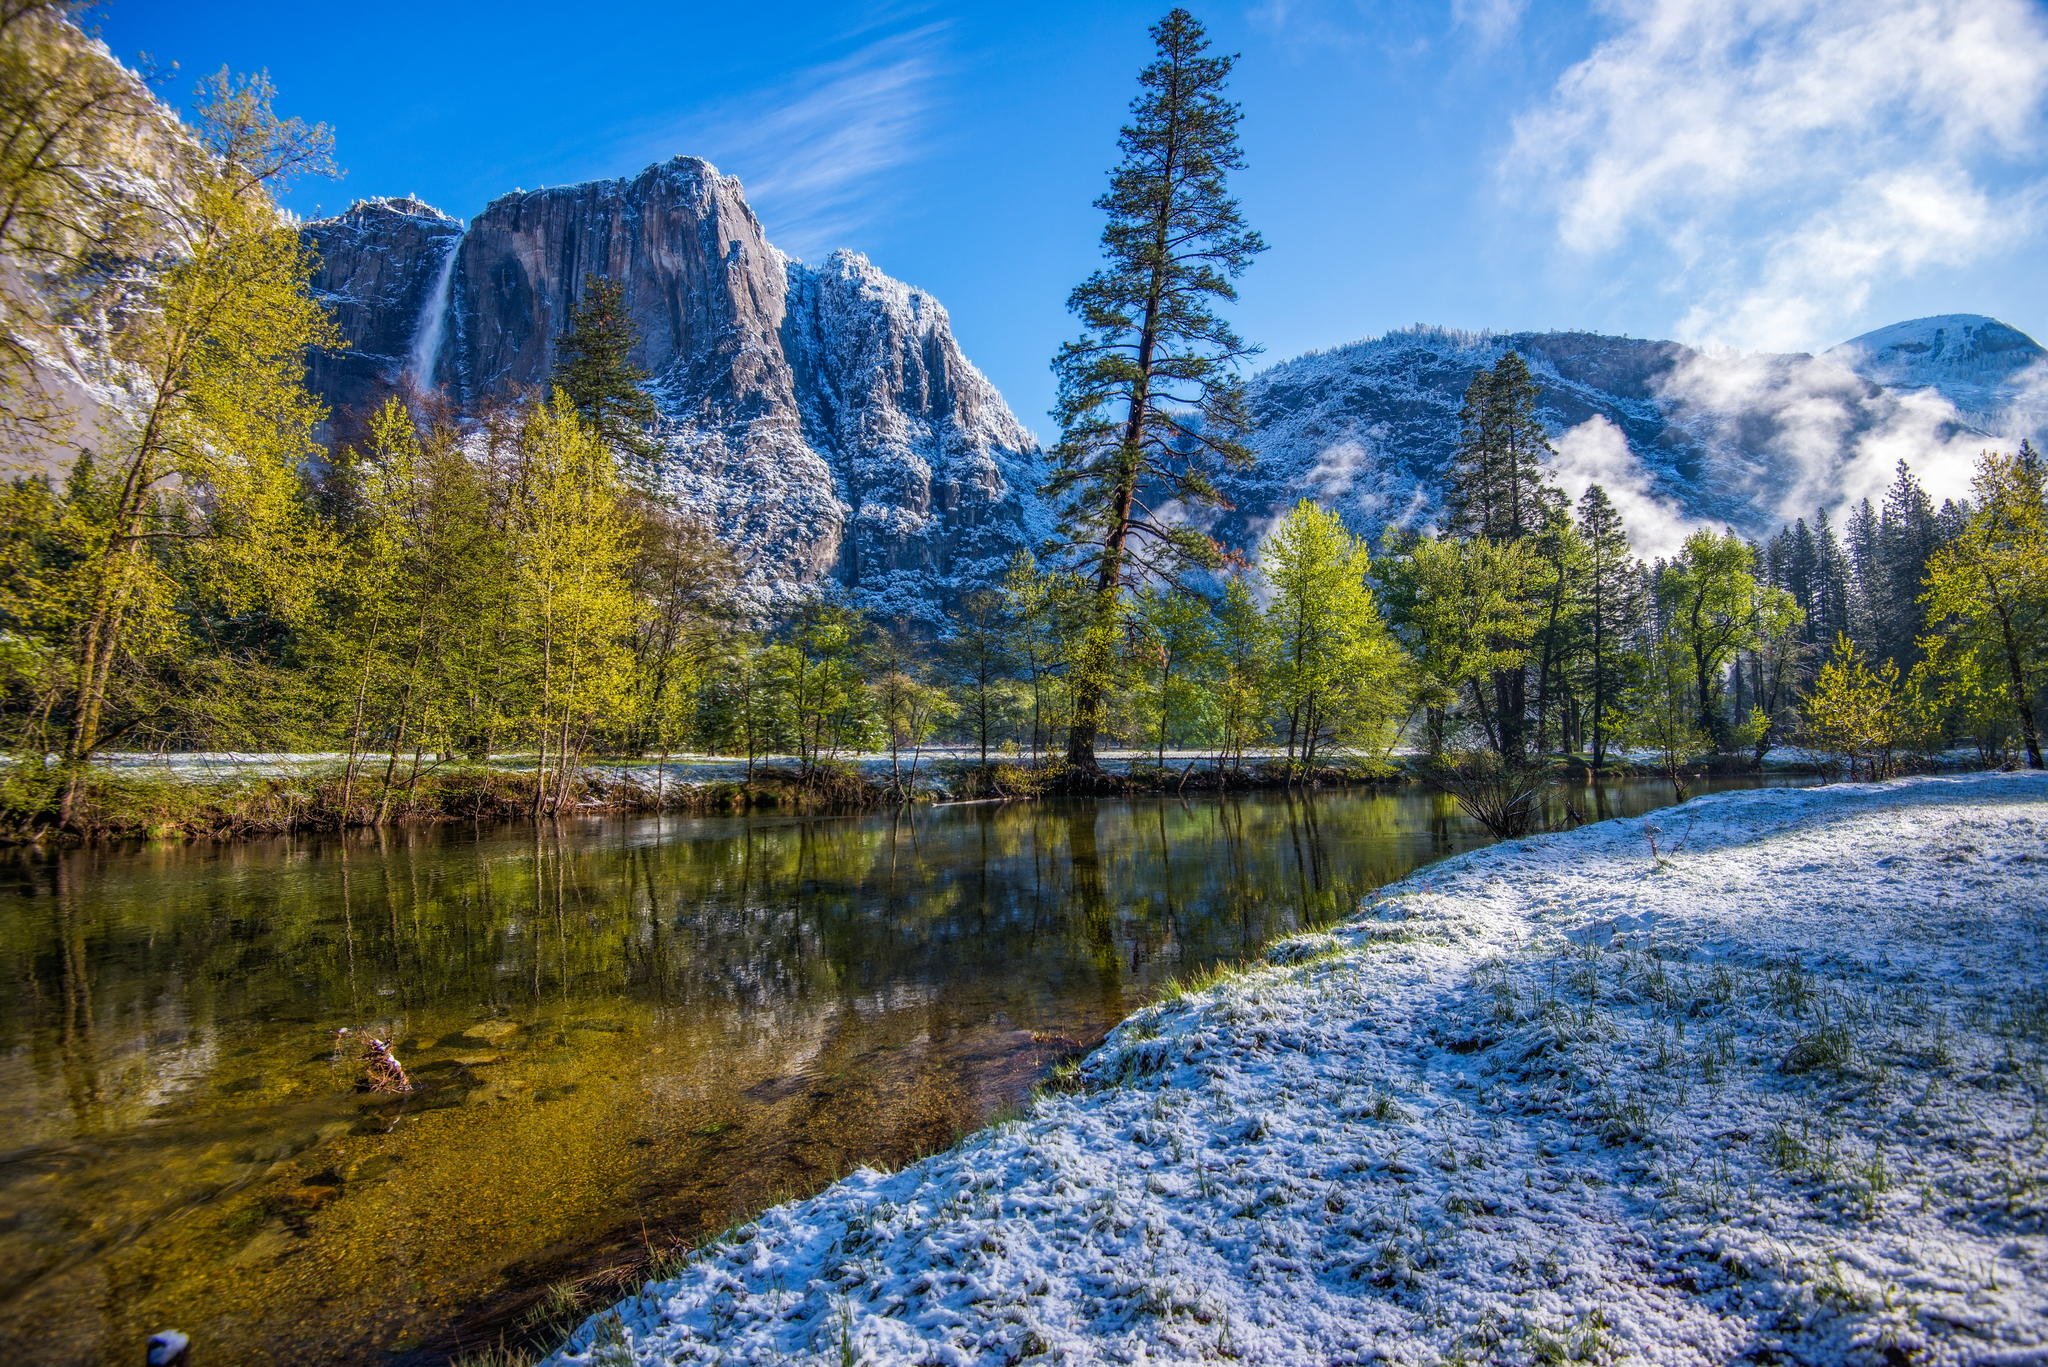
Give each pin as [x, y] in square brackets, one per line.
[821, 418]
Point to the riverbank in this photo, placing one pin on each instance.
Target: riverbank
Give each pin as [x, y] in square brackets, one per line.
[230, 796]
[1757, 1076]
[227, 797]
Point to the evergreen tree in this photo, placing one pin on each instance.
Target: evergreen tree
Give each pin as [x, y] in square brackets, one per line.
[1497, 488]
[1862, 542]
[594, 367]
[1612, 606]
[1498, 492]
[1149, 396]
[1907, 537]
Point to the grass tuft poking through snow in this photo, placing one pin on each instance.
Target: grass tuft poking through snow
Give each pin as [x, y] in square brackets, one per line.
[1779, 1096]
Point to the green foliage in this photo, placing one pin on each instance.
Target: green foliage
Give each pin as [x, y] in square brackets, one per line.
[1987, 595]
[1464, 612]
[570, 549]
[1661, 714]
[1497, 489]
[824, 690]
[1717, 608]
[1339, 676]
[1863, 716]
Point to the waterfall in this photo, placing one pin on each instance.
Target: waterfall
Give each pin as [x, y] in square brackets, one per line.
[426, 334]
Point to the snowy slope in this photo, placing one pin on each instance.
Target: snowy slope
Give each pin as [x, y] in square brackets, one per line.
[1776, 1095]
[1680, 436]
[1976, 363]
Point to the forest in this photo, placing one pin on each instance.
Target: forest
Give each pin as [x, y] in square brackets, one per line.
[466, 612]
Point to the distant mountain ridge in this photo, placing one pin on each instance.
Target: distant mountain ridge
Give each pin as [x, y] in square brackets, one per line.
[1746, 440]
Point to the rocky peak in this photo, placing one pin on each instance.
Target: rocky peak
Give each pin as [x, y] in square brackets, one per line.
[824, 420]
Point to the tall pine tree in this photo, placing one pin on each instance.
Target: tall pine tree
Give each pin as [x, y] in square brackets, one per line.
[1150, 400]
[594, 367]
[1613, 604]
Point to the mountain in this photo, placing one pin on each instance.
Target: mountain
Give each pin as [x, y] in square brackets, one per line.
[1978, 364]
[1679, 436]
[821, 418]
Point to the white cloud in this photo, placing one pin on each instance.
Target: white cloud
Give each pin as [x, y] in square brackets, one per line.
[1830, 438]
[1493, 22]
[1787, 154]
[1336, 470]
[1595, 452]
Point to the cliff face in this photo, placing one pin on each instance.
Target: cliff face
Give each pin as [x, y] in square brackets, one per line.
[823, 420]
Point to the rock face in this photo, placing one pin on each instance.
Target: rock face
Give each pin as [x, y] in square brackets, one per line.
[823, 419]
[1744, 440]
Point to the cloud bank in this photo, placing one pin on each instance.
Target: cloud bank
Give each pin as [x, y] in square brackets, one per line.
[1788, 155]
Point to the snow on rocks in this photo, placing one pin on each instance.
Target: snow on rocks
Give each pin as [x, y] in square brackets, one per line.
[1774, 1093]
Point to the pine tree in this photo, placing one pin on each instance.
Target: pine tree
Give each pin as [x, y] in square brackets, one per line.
[1612, 607]
[1497, 487]
[1862, 542]
[594, 367]
[1149, 396]
[1907, 536]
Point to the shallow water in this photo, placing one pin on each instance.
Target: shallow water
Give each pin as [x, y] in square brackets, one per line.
[622, 1037]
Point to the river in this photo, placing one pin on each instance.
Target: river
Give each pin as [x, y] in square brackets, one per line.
[623, 1036]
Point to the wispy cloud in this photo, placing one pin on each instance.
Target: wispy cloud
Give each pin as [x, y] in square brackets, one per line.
[821, 152]
[1492, 22]
[1788, 155]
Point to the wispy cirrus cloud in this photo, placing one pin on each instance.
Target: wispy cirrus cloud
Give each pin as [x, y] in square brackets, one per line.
[1492, 22]
[1782, 157]
[821, 153]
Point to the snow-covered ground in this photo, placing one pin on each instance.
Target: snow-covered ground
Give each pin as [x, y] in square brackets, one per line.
[1774, 1093]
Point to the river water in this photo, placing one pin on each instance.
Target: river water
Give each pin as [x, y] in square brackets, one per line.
[622, 1037]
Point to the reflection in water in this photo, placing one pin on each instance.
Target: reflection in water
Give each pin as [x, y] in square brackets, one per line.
[621, 1034]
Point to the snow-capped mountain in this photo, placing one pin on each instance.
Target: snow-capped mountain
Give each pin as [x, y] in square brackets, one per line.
[1679, 436]
[1976, 363]
[822, 419]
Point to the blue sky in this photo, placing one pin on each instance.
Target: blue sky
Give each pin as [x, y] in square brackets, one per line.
[1773, 174]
